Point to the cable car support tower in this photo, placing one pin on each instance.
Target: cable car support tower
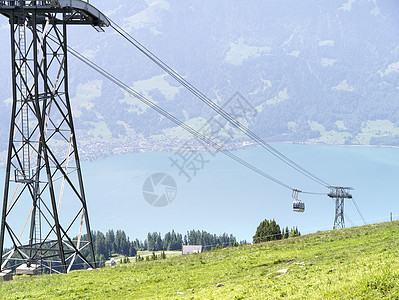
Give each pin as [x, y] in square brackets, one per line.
[339, 194]
[39, 230]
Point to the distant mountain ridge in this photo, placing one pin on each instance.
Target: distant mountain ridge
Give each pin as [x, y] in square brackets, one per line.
[316, 71]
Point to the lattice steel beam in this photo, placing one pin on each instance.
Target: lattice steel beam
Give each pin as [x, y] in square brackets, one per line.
[43, 168]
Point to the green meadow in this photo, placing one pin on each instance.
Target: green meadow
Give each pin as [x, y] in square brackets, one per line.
[354, 263]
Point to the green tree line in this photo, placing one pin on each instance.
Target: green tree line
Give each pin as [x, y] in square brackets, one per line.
[105, 245]
[269, 230]
[111, 243]
[173, 241]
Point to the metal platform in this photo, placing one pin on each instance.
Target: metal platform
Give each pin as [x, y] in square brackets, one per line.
[78, 11]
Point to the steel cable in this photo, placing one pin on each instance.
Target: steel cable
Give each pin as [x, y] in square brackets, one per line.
[214, 106]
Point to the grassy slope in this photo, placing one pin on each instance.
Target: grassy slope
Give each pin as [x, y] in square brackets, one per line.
[357, 263]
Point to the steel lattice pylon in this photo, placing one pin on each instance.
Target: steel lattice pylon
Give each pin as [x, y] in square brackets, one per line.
[339, 194]
[44, 214]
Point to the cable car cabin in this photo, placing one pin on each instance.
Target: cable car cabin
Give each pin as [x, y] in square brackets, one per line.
[298, 206]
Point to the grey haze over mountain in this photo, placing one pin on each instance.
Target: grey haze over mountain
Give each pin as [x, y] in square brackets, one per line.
[316, 71]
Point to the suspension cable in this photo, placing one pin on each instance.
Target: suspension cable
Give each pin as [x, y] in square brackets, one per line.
[358, 211]
[175, 120]
[214, 106]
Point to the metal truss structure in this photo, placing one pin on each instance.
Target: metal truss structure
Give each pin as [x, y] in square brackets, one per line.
[339, 194]
[44, 214]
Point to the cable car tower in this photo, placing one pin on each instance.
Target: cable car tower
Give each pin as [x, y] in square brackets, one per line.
[339, 194]
[39, 229]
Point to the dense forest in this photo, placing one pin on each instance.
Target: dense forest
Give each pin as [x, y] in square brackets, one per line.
[174, 241]
[333, 64]
[111, 243]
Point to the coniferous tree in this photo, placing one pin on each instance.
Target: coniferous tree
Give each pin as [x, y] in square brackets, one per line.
[150, 242]
[110, 241]
[159, 244]
[99, 245]
[185, 240]
[267, 230]
[294, 232]
[167, 241]
[286, 233]
[132, 250]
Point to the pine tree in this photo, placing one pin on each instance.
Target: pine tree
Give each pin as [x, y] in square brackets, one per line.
[167, 241]
[99, 245]
[110, 241]
[294, 232]
[286, 233]
[158, 242]
[132, 250]
[150, 242]
[267, 230]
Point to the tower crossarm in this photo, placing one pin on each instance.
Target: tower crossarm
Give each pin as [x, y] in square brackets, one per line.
[78, 11]
[340, 192]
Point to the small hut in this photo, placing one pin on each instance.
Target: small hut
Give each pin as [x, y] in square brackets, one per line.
[191, 249]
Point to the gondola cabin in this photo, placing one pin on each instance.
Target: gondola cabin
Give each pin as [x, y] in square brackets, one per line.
[298, 206]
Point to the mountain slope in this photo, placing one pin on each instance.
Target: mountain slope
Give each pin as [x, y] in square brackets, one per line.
[357, 263]
[316, 71]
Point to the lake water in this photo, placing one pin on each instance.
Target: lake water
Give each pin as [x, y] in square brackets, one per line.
[224, 196]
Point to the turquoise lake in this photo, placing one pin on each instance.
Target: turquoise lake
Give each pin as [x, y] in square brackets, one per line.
[224, 196]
